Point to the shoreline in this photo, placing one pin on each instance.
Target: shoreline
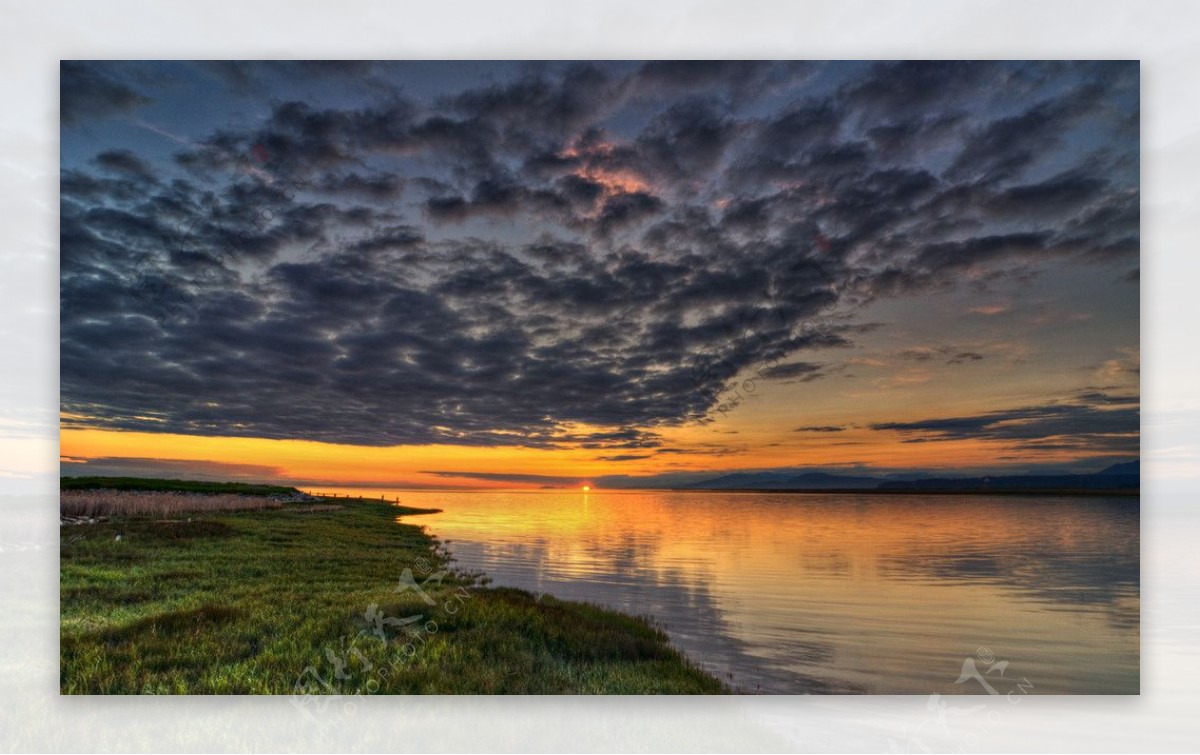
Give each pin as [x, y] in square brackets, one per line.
[343, 601]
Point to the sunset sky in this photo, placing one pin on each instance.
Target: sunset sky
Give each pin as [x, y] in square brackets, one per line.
[481, 274]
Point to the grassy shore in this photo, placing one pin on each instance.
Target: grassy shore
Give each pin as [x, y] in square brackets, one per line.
[320, 600]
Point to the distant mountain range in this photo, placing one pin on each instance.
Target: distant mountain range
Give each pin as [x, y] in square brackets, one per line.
[1124, 477]
[785, 481]
[1127, 468]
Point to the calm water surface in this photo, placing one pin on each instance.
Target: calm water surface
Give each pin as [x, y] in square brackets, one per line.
[834, 593]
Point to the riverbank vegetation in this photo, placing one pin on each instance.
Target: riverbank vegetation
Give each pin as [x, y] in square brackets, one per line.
[321, 599]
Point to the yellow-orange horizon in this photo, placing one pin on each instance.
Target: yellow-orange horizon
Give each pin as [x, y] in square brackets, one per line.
[307, 462]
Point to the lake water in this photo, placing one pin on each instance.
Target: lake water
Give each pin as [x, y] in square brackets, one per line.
[834, 593]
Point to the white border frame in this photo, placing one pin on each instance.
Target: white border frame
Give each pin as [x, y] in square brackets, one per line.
[1163, 35]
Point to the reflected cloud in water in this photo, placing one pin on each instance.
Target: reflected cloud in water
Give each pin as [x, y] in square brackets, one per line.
[832, 593]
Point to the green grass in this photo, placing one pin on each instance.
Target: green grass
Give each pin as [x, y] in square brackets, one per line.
[276, 601]
[182, 486]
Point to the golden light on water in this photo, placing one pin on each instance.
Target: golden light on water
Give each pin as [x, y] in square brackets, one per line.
[820, 584]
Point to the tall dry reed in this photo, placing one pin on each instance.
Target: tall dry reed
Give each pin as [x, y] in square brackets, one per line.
[93, 503]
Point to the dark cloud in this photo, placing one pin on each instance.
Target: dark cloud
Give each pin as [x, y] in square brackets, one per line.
[189, 469]
[496, 199]
[586, 244]
[88, 92]
[1006, 147]
[122, 162]
[895, 141]
[738, 80]
[538, 106]
[904, 90]
[803, 371]
[378, 186]
[1089, 421]
[685, 142]
[502, 477]
[626, 208]
[393, 237]
[1055, 196]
